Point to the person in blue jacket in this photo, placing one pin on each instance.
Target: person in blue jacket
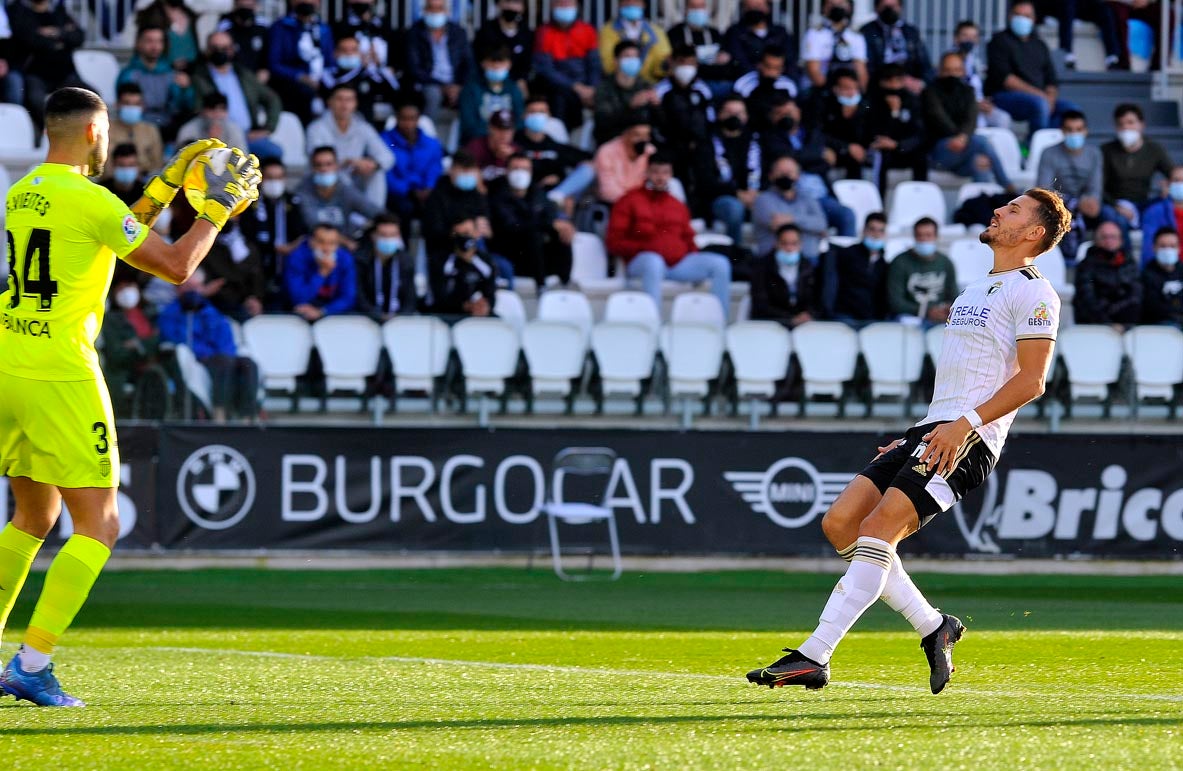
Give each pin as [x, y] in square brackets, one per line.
[320, 276]
[1162, 213]
[301, 48]
[418, 163]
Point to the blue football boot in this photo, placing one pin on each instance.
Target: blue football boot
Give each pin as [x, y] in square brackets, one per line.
[41, 688]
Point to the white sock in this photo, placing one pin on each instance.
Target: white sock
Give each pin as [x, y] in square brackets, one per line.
[32, 660]
[902, 596]
[856, 591]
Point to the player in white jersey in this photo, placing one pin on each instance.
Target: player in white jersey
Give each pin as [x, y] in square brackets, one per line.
[994, 359]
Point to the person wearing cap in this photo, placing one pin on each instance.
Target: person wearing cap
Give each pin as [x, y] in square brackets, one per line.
[493, 150]
[490, 90]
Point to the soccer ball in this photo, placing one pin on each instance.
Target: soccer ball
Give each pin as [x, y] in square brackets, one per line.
[194, 182]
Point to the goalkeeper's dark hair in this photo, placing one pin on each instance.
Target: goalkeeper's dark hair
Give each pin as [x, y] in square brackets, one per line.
[66, 107]
[1053, 214]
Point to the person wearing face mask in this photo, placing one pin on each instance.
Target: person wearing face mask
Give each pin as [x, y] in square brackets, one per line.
[567, 62]
[1108, 284]
[530, 230]
[167, 94]
[563, 171]
[685, 123]
[129, 127]
[130, 342]
[213, 121]
[621, 164]
[418, 162]
[360, 151]
[361, 23]
[489, 92]
[951, 118]
[1129, 163]
[630, 24]
[783, 204]
[854, 278]
[846, 124]
[891, 40]
[385, 271]
[1164, 213]
[965, 42]
[1162, 282]
[763, 85]
[328, 197]
[922, 282]
[377, 86]
[320, 275]
[124, 178]
[784, 286]
[439, 59]
[755, 32]
[1020, 76]
[834, 43]
[740, 161]
[246, 98]
[619, 96]
[299, 48]
[467, 283]
[250, 35]
[273, 227]
[509, 30]
[714, 64]
[459, 194]
[897, 127]
[179, 22]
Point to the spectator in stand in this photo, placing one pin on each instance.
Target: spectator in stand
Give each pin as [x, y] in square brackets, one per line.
[1020, 75]
[922, 282]
[651, 229]
[622, 163]
[213, 121]
[1108, 284]
[327, 198]
[493, 151]
[439, 59]
[897, 127]
[630, 24]
[385, 271]
[754, 33]
[12, 85]
[250, 36]
[529, 230]
[854, 278]
[846, 125]
[237, 269]
[180, 24]
[686, 121]
[783, 204]
[1164, 213]
[125, 180]
[784, 286]
[459, 195]
[418, 163]
[359, 149]
[129, 127]
[617, 98]
[167, 93]
[965, 42]
[951, 117]
[563, 171]
[1073, 169]
[714, 64]
[1096, 11]
[1149, 12]
[1129, 164]
[740, 162]
[300, 47]
[468, 278]
[246, 98]
[192, 320]
[1162, 282]
[490, 91]
[834, 44]
[369, 30]
[376, 85]
[567, 62]
[761, 87]
[44, 38]
[274, 227]
[130, 343]
[891, 40]
[511, 31]
[320, 275]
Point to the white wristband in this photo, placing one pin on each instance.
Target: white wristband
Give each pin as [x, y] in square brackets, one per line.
[975, 420]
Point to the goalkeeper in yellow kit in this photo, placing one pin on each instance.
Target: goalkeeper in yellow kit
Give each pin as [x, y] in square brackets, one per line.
[57, 431]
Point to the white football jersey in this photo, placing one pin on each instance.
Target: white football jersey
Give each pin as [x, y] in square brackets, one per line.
[979, 351]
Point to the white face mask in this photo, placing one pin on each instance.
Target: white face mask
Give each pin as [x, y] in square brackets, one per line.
[272, 188]
[685, 73]
[519, 179]
[1129, 137]
[128, 297]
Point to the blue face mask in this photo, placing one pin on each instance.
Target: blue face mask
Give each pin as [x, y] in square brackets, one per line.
[324, 178]
[435, 20]
[874, 244]
[1021, 25]
[389, 246]
[1168, 258]
[497, 75]
[536, 121]
[631, 66]
[698, 17]
[349, 62]
[125, 175]
[466, 181]
[566, 16]
[1176, 191]
[632, 13]
[787, 258]
[1074, 141]
[925, 248]
[849, 101]
[131, 113]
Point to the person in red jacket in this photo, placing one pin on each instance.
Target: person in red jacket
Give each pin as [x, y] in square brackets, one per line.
[651, 229]
[567, 62]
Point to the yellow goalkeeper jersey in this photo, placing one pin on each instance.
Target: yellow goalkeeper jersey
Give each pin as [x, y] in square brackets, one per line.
[64, 233]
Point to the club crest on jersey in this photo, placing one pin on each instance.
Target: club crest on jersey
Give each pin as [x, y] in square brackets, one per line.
[994, 288]
[1041, 316]
[131, 228]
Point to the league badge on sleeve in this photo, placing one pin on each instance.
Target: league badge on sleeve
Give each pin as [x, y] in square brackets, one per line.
[131, 228]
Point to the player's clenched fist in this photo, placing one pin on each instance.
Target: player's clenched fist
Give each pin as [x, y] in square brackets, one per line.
[163, 188]
[229, 188]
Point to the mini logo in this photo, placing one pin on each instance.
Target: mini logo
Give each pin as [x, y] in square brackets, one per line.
[791, 492]
[1041, 316]
[216, 487]
[105, 467]
[994, 288]
[131, 228]
[921, 468]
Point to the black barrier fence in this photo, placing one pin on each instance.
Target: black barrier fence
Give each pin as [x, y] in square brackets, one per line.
[684, 493]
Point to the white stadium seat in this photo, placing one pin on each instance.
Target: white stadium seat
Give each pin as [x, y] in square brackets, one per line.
[418, 347]
[1040, 141]
[913, 200]
[895, 357]
[508, 307]
[570, 307]
[896, 245]
[350, 348]
[18, 139]
[744, 312]
[697, 308]
[693, 354]
[828, 353]
[1092, 353]
[1156, 353]
[554, 353]
[860, 196]
[932, 343]
[759, 352]
[281, 346]
[195, 377]
[100, 70]
[1051, 265]
[488, 350]
[633, 308]
[589, 265]
[971, 259]
[974, 189]
[1006, 147]
[289, 135]
[624, 353]
[557, 130]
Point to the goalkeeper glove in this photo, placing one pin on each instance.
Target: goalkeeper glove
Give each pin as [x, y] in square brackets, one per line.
[229, 191]
[163, 188]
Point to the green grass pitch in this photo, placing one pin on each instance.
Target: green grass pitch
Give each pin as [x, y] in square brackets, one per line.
[503, 668]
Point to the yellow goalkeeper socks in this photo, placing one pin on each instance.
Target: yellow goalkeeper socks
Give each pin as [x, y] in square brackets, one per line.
[17, 550]
[67, 584]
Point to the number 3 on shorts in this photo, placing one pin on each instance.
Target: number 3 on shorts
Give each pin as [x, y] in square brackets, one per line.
[100, 430]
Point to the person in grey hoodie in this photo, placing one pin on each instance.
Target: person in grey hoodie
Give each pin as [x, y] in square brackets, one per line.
[360, 151]
[328, 198]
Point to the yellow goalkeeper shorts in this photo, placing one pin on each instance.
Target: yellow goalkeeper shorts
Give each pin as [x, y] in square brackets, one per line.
[58, 433]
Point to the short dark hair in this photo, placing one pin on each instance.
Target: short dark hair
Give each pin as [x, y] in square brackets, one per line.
[535, 98]
[875, 216]
[635, 118]
[1016, 3]
[843, 73]
[462, 159]
[952, 54]
[323, 149]
[684, 51]
[661, 158]
[1052, 213]
[888, 71]
[733, 97]
[771, 52]
[1125, 108]
[495, 54]
[66, 105]
[124, 150]
[964, 24]
[787, 227]
[272, 160]
[1073, 115]
[519, 156]
[462, 218]
[213, 99]
[342, 87]
[385, 218]
[128, 88]
[1164, 231]
[151, 28]
[408, 97]
[625, 45]
[325, 226]
[924, 221]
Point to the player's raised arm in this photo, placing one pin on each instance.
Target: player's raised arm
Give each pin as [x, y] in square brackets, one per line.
[162, 189]
[228, 191]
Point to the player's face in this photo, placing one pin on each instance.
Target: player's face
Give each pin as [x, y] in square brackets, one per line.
[1011, 223]
[100, 129]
